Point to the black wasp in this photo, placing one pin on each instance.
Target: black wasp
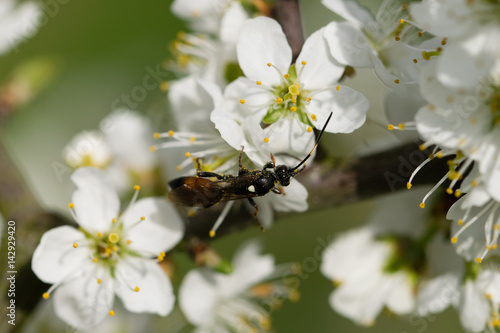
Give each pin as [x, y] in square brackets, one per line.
[203, 190]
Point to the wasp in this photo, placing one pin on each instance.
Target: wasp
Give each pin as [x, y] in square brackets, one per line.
[209, 188]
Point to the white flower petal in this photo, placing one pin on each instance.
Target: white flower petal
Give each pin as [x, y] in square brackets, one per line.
[293, 198]
[348, 45]
[161, 230]
[401, 299]
[262, 41]
[349, 109]
[55, 258]
[437, 294]
[350, 10]
[18, 22]
[96, 202]
[198, 295]
[473, 307]
[231, 23]
[82, 302]
[155, 293]
[321, 69]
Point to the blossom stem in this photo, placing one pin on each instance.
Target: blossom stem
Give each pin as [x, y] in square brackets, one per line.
[288, 15]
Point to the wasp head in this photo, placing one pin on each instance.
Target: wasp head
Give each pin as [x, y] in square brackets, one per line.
[283, 174]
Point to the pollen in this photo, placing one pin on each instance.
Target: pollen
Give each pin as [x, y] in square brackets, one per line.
[129, 242]
[420, 33]
[269, 64]
[94, 260]
[45, 295]
[178, 168]
[338, 88]
[111, 313]
[449, 191]
[164, 86]
[401, 21]
[156, 135]
[308, 99]
[309, 129]
[113, 237]
[408, 185]
[99, 235]
[152, 148]
[460, 222]
[113, 220]
[279, 100]
[401, 126]
[170, 133]
[293, 108]
[415, 60]
[212, 233]
[304, 63]
[71, 205]
[458, 193]
[422, 147]
[136, 289]
[187, 154]
[99, 281]
[397, 38]
[266, 140]
[390, 127]
[396, 81]
[259, 83]
[473, 183]
[137, 188]
[479, 260]
[454, 240]
[75, 245]
[439, 154]
[286, 76]
[422, 205]
[313, 116]
[443, 42]
[142, 218]
[242, 101]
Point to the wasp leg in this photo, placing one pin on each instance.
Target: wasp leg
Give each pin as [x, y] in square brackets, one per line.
[209, 174]
[255, 213]
[242, 169]
[277, 190]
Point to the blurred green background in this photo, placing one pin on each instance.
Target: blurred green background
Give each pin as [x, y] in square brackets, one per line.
[101, 50]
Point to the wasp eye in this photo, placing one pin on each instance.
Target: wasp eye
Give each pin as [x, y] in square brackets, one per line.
[282, 169]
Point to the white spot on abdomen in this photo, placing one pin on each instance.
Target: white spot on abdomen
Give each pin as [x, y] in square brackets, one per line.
[251, 188]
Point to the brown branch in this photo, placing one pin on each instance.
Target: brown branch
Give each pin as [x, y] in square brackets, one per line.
[288, 15]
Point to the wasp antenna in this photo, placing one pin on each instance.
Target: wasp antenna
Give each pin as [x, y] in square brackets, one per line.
[317, 142]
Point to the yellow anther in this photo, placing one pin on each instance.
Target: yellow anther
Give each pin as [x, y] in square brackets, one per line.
[314, 117]
[94, 260]
[401, 126]
[71, 205]
[494, 246]
[192, 139]
[415, 60]
[439, 154]
[269, 64]
[479, 260]
[454, 240]
[142, 218]
[75, 245]
[458, 193]
[431, 107]
[164, 86]
[309, 129]
[162, 253]
[129, 242]
[266, 140]
[308, 99]
[443, 42]
[99, 281]
[178, 168]
[422, 205]
[279, 100]
[259, 83]
[294, 100]
[170, 133]
[113, 220]
[137, 188]
[401, 21]
[426, 55]
[286, 76]
[294, 295]
[390, 127]
[212, 233]
[113, 237]
[303, 63]
[156, 135]
[136, 289]
[111, 313]
[45, 295]
[160, 257]
[460, 222]
[152, 148]
[293, 108]
[422, 147]
[408, 185]
[99, 234]
[187, 154]
[242, 101]
[449, 190]
[420, 33]
[431, 156]
[397, 38]
[338, 88]
[396, 81]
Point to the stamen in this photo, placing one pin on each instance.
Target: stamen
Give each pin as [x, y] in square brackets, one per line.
[422, 204]
[221, 218]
